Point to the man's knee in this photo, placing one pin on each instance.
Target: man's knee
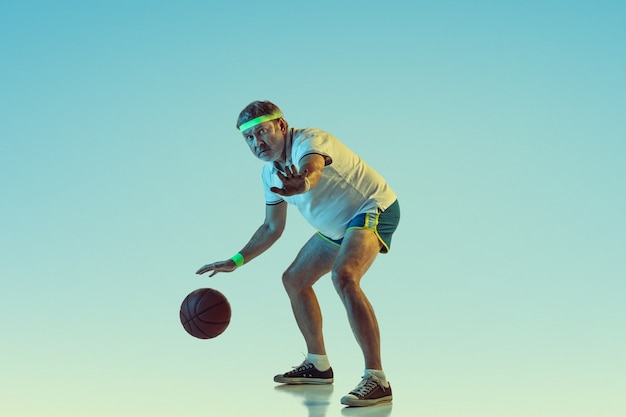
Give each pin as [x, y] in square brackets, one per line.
[296, 281]
[345, 279]
[289, 281]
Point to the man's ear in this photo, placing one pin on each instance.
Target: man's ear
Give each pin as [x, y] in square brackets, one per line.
[283, 125]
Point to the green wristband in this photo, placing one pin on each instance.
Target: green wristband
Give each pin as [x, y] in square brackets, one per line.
[238, 259]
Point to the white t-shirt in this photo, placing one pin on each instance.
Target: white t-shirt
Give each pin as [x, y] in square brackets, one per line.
[348, 185]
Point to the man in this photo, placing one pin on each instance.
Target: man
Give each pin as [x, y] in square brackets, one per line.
[355, 212]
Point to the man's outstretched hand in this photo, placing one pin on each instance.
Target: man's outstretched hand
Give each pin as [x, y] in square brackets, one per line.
[293, 182]
[214, 268]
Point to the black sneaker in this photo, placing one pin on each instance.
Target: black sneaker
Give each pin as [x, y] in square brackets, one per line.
[306, 373]
[370, 391]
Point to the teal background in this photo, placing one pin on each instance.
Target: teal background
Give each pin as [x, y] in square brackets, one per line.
[500, 125]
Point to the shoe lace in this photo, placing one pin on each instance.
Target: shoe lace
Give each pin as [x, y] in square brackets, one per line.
[367, 384]
[302, 367]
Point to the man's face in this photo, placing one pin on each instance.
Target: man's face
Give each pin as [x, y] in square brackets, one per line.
[266, 140]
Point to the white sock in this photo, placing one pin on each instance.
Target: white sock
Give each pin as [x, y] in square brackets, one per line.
[319, 361]
[379, 374]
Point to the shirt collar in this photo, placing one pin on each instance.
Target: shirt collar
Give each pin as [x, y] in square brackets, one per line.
[288, 143]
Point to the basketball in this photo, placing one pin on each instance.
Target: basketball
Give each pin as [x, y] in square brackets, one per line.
[205, 313]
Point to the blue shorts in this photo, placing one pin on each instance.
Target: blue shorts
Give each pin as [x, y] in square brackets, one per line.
[382, 223]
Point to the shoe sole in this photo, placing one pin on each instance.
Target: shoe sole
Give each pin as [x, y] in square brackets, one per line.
[355, 402]
[302, 381]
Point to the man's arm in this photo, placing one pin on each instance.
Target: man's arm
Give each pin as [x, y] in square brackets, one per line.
[265, 236]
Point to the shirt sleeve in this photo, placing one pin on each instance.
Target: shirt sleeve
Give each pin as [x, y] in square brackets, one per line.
[311, 141]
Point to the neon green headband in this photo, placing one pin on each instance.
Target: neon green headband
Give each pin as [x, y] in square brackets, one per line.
[259, 120]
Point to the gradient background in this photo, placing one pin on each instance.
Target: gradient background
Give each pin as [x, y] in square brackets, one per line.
[500, 125]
